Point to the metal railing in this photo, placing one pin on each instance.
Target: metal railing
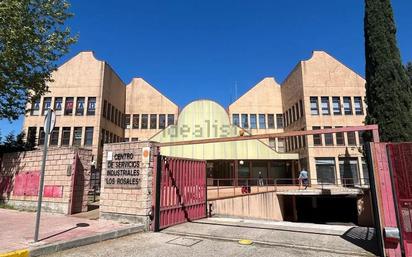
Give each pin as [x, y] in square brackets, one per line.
[220, 188]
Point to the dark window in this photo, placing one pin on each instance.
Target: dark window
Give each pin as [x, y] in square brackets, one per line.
[35, 108]
[105, 109]
[68, 107]
[41, 136]
[116, 116]
[31, 135]
[162, 121]
[153, 121]
[134, 139]
[135, 121]
[235, 119]
[103, 137]
[351, 137]
[46, 104]
[349, 171]
[325, 105]
[127, 120]
[112, 115]
[245, 122]
[328, 137]
[287, 118]
[77, 136]
[336, 105]
[290, 117]
[54, 137]
[80, 106]
[262, 121]
[360, 137]
[253, 124]
[347, 105]
[325, 169]
[88, 138]
[301, 107]
[358, 105]
[314, 108]
[107, 137]
[297, 111]
[170, 119]
[293, 114]
[317, 139]
[271, 121]
[144, 121]
[58, 105]
[66, 136]
[279, 120]
[340, 138]
[91, 106]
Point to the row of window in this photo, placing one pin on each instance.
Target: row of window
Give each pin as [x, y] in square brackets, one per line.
[336, 105]
[294, 113]
[142, 121]
[349, 169]
[111, 113]
[63, 134]
[109, 137]
[79, 109]
[337, 138]
[251, 121]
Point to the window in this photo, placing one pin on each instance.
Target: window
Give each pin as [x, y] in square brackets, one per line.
[317, 139]
[162, 121]
[361, 135]
[105, 108]
[272, 142]
[107, 137]
[340, 138]
[77, 136]
[91, 106]
[135, 120]
[348, 168]
[58, 105]
[170, 119]
[358, 105]
[297, 111]
[134, 139]
[245, 122]
[127, 120]
[262, 121]
[328, 137]
[279, 120]
[66, 136]
[325, 105]
[314, 108]
[116, 117]
[365, 172]
[144, 121]
[80, 106]
[336, 105]
[112, 114]
[271, 121]
[88, 138]
[31, 135]
[301, 107]
[290, 117]
[293, 114]
[68, 107]
[35, 107]
[347, 105]
[351, 137]
[281, 145]
[325, 169]
[253, 124]
[46, 104]
[42, 135]
[235, 119]
[286, 118]
[54, 137]
[153, 121]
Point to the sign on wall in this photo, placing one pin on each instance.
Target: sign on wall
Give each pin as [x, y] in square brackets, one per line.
[123, 170]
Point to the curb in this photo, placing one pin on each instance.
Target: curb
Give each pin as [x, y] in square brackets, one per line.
[17, 253]
[279, 244]
[60, 246]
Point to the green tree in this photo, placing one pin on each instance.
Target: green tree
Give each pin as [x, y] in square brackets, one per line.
[12, 143]
[388, 93]
[32, 38]
[408, 68]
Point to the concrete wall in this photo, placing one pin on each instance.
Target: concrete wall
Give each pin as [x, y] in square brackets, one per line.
[128, 203]
[261, 206]
[59, 174]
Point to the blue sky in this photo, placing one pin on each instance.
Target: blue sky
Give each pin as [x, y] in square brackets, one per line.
[201, 49]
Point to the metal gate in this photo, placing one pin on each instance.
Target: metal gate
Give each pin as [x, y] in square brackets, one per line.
[180, 191]
[401, 167]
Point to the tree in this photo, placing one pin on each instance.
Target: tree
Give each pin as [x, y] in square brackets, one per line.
[14, 143]
[388, 90]
[408, 68]
[32, 38]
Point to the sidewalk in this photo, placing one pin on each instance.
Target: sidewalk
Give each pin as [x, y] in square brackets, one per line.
[17, 230]
[349, 240]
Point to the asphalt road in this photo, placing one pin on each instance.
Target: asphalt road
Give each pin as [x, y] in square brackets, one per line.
[161, 244]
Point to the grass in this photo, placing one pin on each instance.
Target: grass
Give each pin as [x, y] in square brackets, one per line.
[7, 206]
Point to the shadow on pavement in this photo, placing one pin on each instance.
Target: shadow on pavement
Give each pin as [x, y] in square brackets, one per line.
[78, 225]
[363, 237]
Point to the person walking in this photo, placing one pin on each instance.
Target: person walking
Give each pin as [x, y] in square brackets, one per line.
[303, 178]
[260, 181]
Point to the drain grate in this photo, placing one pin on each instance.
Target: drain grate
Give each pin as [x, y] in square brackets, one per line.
[184, 241]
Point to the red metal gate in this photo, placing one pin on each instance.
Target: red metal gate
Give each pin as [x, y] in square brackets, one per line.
[401, 166]
[180, 191]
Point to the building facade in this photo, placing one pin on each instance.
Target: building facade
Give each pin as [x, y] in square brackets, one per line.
[94, 106]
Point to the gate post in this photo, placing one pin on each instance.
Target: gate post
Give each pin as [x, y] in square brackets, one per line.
[158, 179]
